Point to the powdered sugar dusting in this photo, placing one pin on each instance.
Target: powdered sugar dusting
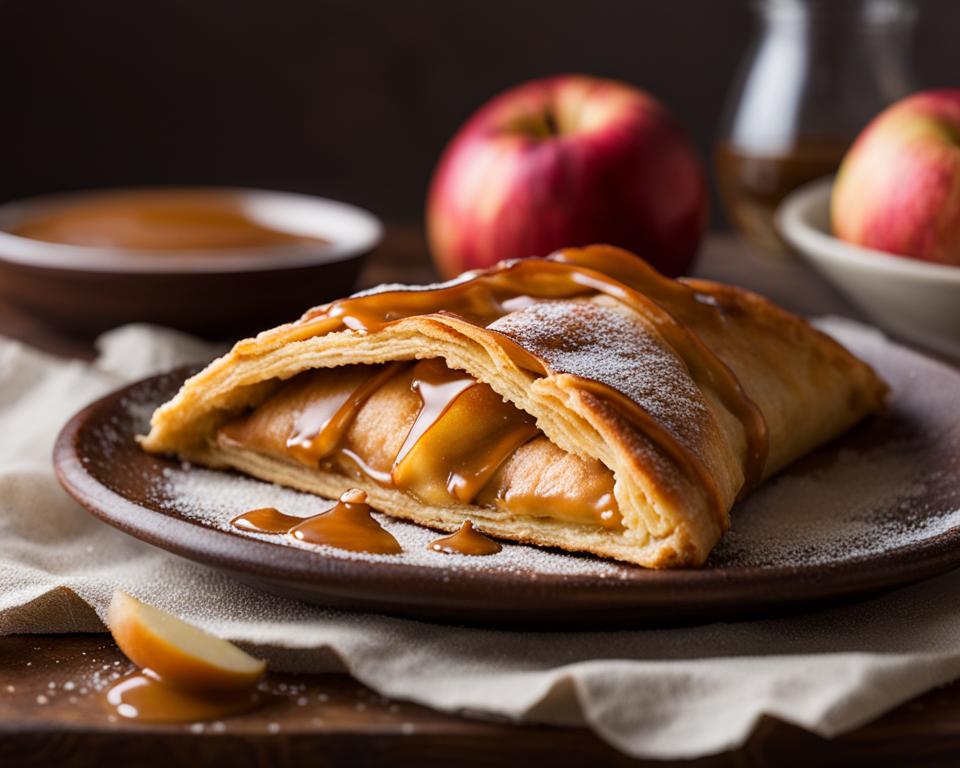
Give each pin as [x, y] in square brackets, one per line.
[609, 346]
[860, 503]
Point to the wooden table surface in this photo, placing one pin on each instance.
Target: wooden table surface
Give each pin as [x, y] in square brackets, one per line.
[51, 712]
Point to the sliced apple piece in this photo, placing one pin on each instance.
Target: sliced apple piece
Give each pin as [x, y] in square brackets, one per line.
[180, 654]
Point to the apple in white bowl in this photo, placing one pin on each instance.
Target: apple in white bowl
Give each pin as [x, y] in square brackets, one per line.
[898, 188]
[913, 299]
[567, 161]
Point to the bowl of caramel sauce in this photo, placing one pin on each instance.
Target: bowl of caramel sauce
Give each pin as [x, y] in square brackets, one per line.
[216, 261]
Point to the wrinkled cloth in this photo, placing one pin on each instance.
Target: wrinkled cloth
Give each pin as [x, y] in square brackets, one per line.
[662, 693]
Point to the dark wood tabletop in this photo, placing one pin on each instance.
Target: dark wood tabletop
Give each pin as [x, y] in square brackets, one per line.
[51, 712]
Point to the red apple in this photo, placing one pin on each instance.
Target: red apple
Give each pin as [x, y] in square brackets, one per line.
[567, 161]
[898, 188]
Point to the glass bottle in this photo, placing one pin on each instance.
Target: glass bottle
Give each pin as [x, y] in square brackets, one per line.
[815, 74]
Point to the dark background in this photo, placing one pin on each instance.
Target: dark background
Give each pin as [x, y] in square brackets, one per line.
[352, 99]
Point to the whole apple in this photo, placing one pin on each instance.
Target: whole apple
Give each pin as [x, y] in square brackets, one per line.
[898, 188]
[567, 161]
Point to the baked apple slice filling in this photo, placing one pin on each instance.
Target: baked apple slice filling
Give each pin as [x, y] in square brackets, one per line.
[429, 431]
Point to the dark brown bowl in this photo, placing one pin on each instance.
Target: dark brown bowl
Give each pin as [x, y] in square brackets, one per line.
[85, 290]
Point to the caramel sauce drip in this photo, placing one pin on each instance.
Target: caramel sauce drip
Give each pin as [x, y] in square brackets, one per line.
[467, 541]
[319, 428]
[462, 434]
[265, 520]
[364, 468]
[158, 220]
[144, 696]
[438, 387]
[669, 305]
[347, 525]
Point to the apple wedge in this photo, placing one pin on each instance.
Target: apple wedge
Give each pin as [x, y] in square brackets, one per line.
[182, 655]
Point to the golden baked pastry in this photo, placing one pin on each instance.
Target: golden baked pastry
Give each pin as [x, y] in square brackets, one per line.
[581, 401]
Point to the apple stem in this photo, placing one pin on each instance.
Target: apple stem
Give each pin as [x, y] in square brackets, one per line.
[550, 123]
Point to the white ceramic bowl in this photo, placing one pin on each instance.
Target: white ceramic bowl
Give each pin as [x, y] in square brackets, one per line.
[914, 299]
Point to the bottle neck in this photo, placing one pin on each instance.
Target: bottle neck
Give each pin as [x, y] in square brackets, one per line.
[845, 46]
[821, 69]
[842, 18]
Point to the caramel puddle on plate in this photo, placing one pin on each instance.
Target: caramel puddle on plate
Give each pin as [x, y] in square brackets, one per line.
[347, 525]
[266, 520]
[143, 696]
[466, 541]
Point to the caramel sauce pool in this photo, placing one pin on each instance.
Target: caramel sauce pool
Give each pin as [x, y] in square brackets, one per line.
[266, 520]
[165, 220]
[347, 525]
[467, 541]
[143, 696]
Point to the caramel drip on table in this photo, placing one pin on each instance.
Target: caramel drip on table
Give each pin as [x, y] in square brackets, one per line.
[483, 297]
[144, 696]
[467, 541]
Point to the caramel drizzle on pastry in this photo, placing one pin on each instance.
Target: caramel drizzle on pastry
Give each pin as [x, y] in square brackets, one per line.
[462, 433]
[483, 297]
[459, 444]
[319, 429]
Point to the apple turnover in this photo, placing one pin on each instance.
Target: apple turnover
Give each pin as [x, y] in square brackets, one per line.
[580, 401]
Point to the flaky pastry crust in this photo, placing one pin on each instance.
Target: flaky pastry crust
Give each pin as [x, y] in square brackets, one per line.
[583, 365]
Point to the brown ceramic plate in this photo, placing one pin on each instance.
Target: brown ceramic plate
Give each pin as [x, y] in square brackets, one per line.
[876, 509]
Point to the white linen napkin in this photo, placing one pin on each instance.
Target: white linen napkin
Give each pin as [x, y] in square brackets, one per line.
[660, 693]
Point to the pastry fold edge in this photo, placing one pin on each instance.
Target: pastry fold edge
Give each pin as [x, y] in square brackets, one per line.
[807, 387]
